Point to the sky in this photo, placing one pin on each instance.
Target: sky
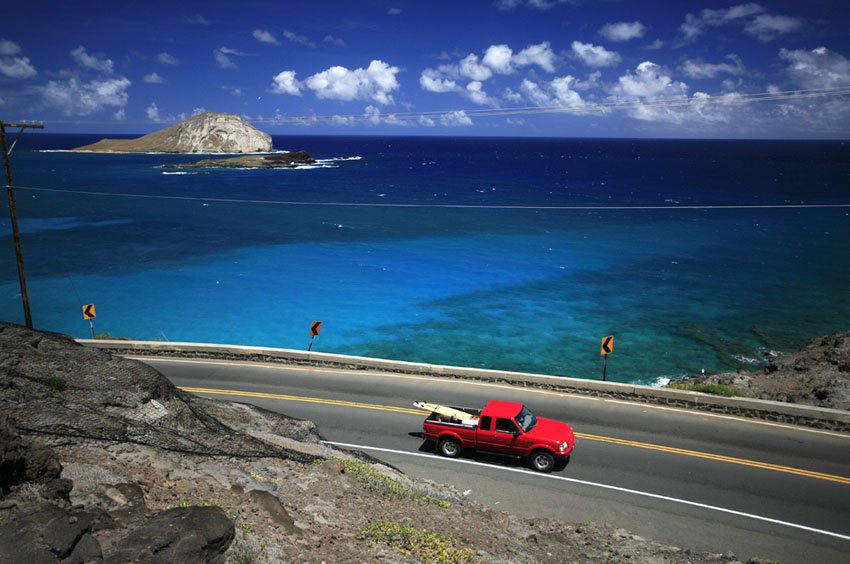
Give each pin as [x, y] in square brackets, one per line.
[563, 68]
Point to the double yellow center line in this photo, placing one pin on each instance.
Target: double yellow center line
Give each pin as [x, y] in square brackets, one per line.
[718, 457]
[585, 436]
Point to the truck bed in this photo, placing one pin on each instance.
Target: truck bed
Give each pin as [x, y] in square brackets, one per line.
[437, 417]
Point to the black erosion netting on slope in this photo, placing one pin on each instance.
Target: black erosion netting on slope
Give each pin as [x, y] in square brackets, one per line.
[53, 387]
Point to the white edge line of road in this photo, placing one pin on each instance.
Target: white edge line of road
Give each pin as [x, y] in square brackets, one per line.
[530, 390]
[604, 486]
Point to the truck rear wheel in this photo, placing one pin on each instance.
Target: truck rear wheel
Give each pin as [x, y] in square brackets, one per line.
[542, 461]
[449, 447]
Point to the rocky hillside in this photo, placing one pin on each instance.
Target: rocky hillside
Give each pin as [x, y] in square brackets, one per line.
[102, 459]
[818, 374]
[204, 133]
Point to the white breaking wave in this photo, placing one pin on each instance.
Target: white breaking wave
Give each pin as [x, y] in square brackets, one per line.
[746, 359]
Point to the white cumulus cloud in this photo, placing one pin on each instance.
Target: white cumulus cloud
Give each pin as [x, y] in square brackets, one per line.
[455, 118]
[622, 31]
[167, 59]
[331, 40]
[541, 5]
[476, 94]
[767, 27]
[223, 55]
[73, 97]
[152, 112]
[540, 54]
[565, 94]
[696, 68]
[433, 81]
[296, 38]
[595, 55]
[533, 92]
[375, 83]
[286, 83]
[498, 58]
[754, 18]
[153, 78]
[649, 81]
[818, 68]
[264, 36]
[469, 67]
[652, 94]
[558, 92]
[9, 48]
[16, 67]
[82, 58]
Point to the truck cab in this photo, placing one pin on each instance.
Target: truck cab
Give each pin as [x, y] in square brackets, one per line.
[502, 427]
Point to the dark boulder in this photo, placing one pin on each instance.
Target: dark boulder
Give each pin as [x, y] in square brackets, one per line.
[21, 461]
[185, 534]
[43, 532]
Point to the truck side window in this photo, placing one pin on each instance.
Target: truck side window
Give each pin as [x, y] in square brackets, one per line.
[505, 425]
[485, 423]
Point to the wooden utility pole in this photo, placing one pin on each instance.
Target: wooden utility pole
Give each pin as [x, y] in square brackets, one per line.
[19, 255]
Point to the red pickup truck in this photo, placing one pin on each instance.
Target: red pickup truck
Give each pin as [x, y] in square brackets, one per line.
[503, 427]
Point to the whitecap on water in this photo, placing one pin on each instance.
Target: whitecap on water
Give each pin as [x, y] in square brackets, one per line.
[747, 360]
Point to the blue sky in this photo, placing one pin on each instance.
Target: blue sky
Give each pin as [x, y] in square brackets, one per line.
[572, 68]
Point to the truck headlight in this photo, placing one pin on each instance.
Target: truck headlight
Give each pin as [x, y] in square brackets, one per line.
[563, 446]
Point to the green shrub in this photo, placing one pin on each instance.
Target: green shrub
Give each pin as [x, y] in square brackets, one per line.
[386, 487]
[422, 544]
[716, 389]
[54, 382]
[246, 548]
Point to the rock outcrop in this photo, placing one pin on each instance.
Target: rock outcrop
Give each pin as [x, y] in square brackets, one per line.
[278, 160]
[818, 374]
[209, 132]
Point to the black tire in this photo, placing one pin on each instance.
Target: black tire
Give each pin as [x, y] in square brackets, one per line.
[449, 447]
[542, 461]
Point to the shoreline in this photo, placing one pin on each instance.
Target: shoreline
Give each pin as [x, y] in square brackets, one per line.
[780, 412]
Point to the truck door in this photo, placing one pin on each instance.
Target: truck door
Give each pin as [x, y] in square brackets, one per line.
[501, 438]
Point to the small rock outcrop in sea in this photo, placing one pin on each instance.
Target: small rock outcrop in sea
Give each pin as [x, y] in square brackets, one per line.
[209, 132]
[277, 160]
[818, 374]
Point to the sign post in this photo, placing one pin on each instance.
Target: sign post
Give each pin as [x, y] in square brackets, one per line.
[607, 348]
[89, 313]
[315, 328]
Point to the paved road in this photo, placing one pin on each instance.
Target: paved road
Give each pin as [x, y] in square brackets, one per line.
[690, 479]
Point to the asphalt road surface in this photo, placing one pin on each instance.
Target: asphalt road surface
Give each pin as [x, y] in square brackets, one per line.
[685, 478]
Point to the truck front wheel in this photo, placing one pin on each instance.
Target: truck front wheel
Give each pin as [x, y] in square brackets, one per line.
[542, 461]
[449, 447]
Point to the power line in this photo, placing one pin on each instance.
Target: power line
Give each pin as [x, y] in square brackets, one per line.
[443, 206]
[584, 108]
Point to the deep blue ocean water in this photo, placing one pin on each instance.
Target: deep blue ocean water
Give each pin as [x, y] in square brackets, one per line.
[553, 244]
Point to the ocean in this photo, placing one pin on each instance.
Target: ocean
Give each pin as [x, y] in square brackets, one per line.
[512, 254]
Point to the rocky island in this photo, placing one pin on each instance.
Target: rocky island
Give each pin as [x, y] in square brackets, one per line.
[276, 160]
[208, 132]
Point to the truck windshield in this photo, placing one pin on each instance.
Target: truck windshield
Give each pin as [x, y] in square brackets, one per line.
[526, 419]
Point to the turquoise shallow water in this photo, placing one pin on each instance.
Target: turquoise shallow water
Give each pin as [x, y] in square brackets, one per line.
[216, 257]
